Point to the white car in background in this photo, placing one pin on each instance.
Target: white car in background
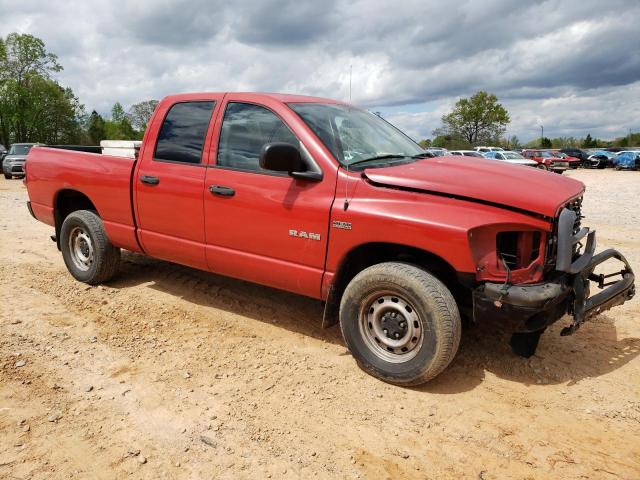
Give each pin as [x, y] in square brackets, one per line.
[466, 153]
[511, 157]
[437, 151]
[488, 149]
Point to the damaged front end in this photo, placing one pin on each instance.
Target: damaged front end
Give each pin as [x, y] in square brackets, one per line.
[527, 309]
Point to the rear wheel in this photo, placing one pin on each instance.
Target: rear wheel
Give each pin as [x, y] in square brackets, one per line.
[401, 323]
[87, 252]
[7, 176]
[542, 166]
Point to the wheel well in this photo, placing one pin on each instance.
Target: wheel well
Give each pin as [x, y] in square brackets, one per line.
[68, 201]
[370, 254]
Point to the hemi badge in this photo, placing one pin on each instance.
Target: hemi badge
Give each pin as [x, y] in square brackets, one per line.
[342, 225]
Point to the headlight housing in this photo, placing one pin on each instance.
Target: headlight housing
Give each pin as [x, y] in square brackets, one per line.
[516, 252]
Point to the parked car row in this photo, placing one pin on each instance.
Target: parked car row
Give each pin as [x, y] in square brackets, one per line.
[555, 160]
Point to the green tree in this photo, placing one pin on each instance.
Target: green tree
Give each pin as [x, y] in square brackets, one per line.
[426, 143]
[562, 142]
[96, 128]
[514, 143]
[117, 113]
[119, 127]
[450, 142]
[545, 142]
[33, 106]
[589, 142]
[479, 119]
[140, 113]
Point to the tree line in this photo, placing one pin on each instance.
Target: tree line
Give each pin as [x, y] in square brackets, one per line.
[481, 120]
[35, 108]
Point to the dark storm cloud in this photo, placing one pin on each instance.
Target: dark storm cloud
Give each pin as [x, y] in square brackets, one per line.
[176, 24]
[545, 58]
[285, 22]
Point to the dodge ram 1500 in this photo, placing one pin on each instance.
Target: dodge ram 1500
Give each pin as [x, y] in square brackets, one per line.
[323, 199]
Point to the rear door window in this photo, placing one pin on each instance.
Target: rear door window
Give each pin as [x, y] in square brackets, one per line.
[183, 132]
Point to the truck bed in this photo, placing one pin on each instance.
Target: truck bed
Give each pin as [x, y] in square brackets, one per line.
[105, 179]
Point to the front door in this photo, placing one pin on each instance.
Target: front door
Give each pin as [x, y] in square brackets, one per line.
[260, 225]
[169, 184]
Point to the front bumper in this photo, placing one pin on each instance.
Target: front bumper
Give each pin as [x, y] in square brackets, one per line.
[13, 168]
[530, 308]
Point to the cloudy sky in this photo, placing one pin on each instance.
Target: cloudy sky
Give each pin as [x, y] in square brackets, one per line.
[572, 66]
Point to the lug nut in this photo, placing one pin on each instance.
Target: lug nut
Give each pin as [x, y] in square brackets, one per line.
[397, 335]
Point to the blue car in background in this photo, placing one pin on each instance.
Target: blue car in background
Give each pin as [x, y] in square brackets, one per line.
[628, 161]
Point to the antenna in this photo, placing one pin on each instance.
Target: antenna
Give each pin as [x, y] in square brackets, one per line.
[346, 185]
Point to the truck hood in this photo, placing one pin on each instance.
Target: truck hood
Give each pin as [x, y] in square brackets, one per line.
[498, 183]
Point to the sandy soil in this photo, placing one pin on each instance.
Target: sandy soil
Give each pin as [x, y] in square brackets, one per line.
[168, 372]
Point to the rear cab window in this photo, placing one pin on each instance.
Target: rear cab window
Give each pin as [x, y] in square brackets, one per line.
[183, 131]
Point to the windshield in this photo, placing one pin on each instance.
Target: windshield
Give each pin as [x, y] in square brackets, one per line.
[353, 135]
[544, 155]
[512, 156]
[19, 149]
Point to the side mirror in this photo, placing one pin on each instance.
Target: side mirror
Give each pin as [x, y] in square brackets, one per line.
[284, 157]
[281, 157]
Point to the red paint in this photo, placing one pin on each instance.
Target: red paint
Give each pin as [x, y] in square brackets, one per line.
[450, 207]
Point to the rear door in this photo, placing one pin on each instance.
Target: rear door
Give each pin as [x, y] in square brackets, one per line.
[265, 226]
[169, 182]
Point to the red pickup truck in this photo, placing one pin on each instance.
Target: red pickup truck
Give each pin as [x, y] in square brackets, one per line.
[547, 160]
[323, 199]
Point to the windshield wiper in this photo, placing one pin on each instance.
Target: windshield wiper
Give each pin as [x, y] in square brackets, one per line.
[379, 157]
[423, 155]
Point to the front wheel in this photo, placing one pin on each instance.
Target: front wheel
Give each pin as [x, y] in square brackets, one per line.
[8, 176]
[401, 323]
[542, 166]
[87, 252]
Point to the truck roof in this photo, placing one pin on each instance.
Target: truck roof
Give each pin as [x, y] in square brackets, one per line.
[281, 97]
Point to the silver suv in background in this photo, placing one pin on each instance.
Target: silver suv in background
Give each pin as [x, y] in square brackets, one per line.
[13, 163]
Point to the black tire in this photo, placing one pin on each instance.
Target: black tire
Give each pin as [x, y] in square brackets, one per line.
[102, 258]
[8, 176]
[427, 301]
[542, 166]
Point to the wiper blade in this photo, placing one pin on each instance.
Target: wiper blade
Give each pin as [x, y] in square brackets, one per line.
[379, 157]
[423, 155]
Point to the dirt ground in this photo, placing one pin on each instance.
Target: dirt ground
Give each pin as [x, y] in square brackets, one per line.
[168, 372]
